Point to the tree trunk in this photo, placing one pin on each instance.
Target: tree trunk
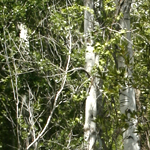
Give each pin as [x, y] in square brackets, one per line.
[127, 93]
[91, 102]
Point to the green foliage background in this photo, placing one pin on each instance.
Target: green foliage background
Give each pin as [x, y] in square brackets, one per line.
[30, 77]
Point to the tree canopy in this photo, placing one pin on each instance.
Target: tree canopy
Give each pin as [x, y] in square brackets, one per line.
[43, 81]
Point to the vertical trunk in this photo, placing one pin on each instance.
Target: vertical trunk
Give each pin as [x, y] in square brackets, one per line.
[23, 45]
[91, 102]
[23, 48]
[23, 35]
[127, 93]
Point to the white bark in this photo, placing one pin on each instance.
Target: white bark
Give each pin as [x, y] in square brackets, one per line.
[91, 101]
[23, 35]
[24, 43]
[127, 93]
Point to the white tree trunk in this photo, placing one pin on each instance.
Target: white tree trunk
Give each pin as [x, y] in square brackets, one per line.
[23, 35]
[91, 101]
[127, 93]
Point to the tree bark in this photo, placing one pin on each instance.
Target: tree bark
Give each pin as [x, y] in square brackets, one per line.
[91, 102]
[127, 92]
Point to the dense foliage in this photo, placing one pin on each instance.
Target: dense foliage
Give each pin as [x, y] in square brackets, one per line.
[43, 81]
